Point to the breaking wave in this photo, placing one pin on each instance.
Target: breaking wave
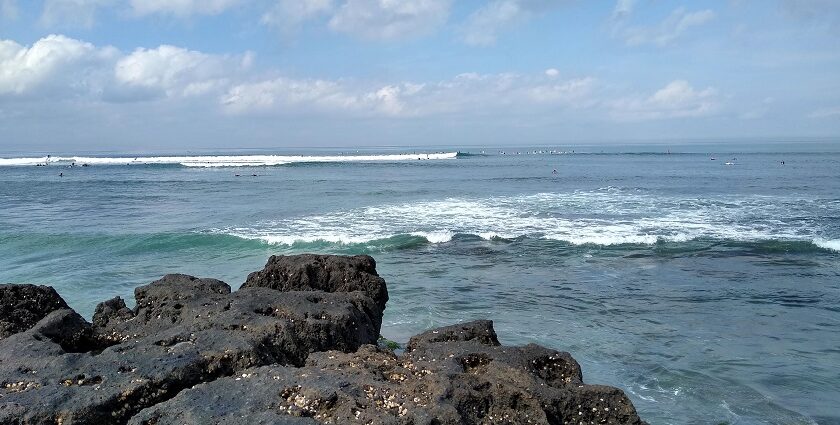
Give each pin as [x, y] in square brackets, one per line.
[601, 218]
[223, 160]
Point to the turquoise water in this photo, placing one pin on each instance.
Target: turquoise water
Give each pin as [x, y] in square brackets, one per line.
[709, 292]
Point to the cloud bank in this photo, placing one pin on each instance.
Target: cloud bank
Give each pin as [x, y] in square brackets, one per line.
[60, 67]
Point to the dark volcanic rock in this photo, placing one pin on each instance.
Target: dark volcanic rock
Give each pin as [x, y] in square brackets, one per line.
[109, 313]
[22, 306]
[329, 273]
[480, 330]
[453, 381]
[184, 331]
[292, 346]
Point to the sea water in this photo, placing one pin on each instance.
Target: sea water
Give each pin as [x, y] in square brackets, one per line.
[707, 289]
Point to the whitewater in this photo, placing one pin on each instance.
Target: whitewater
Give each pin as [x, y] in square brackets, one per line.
[620, 218]
[219, 160]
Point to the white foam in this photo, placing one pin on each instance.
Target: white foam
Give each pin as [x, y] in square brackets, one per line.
[227, 160]
[833, 245]
[602, 217]
[10, 162]
[435, 237]
[275, 238]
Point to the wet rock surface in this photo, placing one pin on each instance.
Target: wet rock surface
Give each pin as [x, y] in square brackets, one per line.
[292, 347]
[22, 306]
[328, 273]
[452, 381]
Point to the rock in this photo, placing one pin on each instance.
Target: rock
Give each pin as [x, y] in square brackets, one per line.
[22, 306]
[451, 381]
[184, 331]
[316, 320]
[294, 345]
[109, 313]
[480, 331]
[70, 331]
[328, 273]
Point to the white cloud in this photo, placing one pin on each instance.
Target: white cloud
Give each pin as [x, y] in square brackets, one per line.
[182, 8]
[54, 64]
[575, 91]
[174, 71]
[465, 93]
[288, 15]
[623, 8]
[280, 94]
[285, 95]
[71, 13]
[390, 19]
[59, 67]
[483, 26]
[665, 33]
[675, 100]
[8, 9]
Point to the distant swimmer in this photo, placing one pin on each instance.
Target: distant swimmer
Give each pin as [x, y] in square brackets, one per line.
[61, 174]
[554, 172]
[783, 163]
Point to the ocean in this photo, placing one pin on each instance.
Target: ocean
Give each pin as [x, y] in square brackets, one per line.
[707, 289]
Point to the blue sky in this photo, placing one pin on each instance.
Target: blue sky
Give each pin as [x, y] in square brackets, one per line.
[184, 74]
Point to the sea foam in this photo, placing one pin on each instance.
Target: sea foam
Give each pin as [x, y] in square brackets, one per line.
[833, 245]
[606, 217]
[224, 160]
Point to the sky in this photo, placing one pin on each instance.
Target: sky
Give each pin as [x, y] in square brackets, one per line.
[229, 74]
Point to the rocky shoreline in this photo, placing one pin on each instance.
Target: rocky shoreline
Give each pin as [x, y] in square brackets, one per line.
[296, 344]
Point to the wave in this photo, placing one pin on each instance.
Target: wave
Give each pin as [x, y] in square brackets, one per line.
[224, 160]
[124, 243]
[661, 246]
[609, 217]
[241, 244]
[831, 245]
